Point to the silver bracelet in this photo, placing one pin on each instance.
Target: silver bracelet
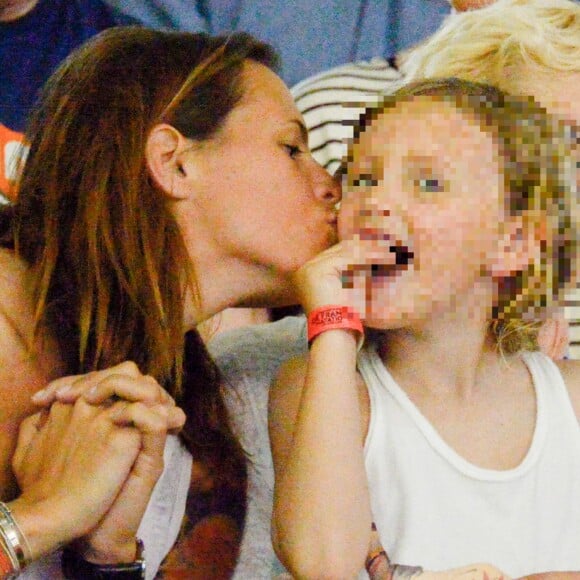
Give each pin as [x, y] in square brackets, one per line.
[15, 541]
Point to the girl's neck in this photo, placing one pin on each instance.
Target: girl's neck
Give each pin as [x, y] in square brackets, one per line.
[444, 357]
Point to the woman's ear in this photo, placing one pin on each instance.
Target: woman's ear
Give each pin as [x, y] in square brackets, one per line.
[165, 152]
[519, 246]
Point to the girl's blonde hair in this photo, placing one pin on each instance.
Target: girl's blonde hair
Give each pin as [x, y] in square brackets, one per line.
[502, 44]
[505, 44]
[537, 163]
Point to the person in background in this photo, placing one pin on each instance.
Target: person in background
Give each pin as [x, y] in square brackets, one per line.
[35, 36]
[309, 36]
[250, 358]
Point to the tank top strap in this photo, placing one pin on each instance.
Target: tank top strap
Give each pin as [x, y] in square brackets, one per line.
[551, 389]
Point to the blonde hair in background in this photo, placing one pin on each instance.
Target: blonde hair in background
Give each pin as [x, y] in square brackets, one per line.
[506, 44]
[502, 44]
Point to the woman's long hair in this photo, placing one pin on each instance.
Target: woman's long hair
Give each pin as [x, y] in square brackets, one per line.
[107, 259]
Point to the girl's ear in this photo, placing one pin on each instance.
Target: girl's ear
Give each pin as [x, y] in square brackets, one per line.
[519, 246]
[167, 160]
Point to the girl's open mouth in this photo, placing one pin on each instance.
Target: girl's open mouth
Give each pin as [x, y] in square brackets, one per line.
[403, 258]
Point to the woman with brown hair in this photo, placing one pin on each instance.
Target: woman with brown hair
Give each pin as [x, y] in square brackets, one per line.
[168, 178]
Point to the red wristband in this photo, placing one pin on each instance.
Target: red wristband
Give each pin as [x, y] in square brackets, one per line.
[6, 565]
[331, 318]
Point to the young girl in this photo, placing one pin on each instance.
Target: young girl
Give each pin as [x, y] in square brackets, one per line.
[447, 433]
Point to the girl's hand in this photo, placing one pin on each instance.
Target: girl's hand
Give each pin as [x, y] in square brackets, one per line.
[339, 275]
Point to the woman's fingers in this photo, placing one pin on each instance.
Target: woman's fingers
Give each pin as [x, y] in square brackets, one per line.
[144, 389]
[122, 381]
[152, 423]
[68, 389]
[28, 430]
[146, 418]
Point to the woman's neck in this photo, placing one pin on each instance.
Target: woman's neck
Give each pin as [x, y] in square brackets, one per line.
[223, 283]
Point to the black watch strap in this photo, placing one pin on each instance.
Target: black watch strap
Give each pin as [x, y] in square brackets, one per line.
[74, 567]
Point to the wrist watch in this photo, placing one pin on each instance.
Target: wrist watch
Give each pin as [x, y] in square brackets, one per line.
[74, 567]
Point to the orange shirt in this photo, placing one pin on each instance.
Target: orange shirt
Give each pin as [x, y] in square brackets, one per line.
[10, 144]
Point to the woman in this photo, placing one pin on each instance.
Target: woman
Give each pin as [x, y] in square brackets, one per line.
[129, 230]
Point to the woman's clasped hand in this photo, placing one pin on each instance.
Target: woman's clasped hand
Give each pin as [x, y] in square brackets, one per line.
[93, 452]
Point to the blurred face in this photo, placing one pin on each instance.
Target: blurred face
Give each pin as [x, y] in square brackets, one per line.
[423, 200]
[260, 196]
[559, 93]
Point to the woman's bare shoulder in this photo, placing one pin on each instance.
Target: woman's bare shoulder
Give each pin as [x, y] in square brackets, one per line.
[15, 302]
[25, 359]
[570, 370]
[13, 280]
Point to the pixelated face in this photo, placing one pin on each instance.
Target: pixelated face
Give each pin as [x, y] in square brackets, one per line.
[261, 197]
[423, 200]
[560, 94]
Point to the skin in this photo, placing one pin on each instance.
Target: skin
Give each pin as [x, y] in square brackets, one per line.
[15, 9]
[322, 518]
[558, 92]
[273, 186]
[420, 173]
[280, 213]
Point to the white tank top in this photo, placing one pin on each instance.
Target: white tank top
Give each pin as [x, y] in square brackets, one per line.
[435, 509]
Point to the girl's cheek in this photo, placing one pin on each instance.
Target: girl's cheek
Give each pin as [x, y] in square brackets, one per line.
[346, 225]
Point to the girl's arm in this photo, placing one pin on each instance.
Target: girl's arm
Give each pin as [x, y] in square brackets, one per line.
[321, 518]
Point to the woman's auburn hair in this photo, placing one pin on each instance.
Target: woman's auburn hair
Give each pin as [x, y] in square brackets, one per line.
[107, 259]
[538, 164]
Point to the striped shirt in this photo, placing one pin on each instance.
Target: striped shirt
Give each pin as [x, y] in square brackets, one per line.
[331, 101]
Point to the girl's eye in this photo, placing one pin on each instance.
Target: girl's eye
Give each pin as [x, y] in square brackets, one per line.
[363, 180]
[293, 150]
[426, 187]
[429, 185]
